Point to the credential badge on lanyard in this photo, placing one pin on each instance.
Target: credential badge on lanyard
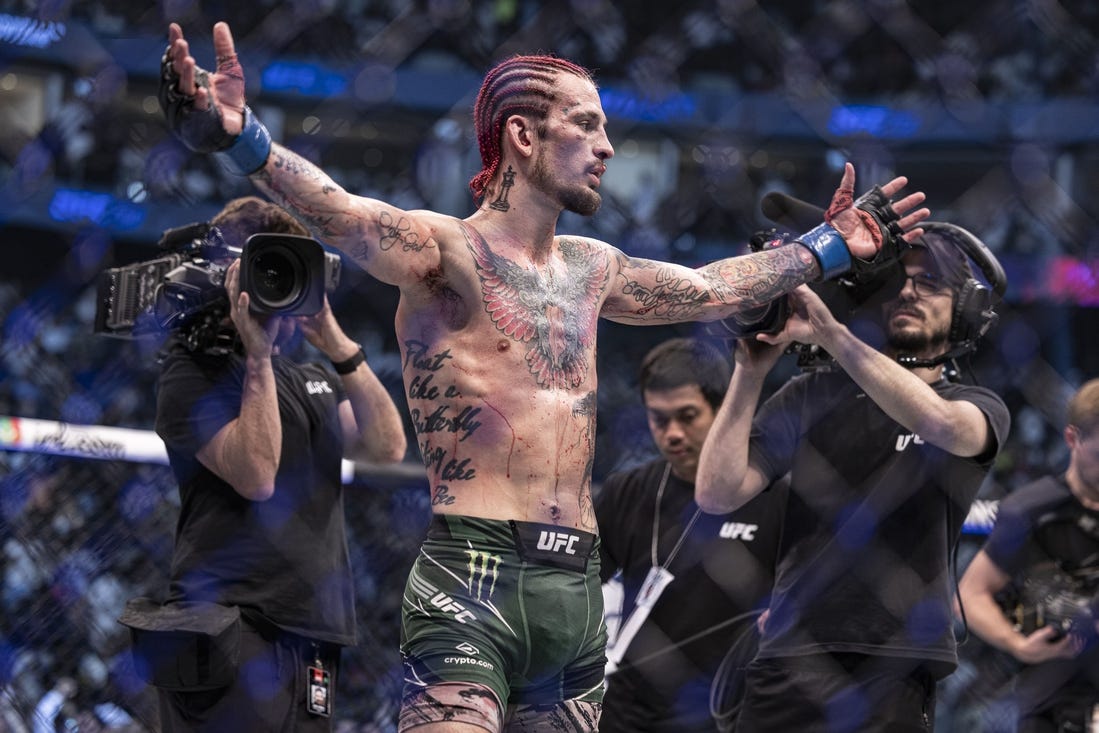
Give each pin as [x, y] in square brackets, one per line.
[656, 580]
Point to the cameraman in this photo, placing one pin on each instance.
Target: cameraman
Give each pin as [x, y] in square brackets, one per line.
[1044, 531]
[884, 456]
[256, 441]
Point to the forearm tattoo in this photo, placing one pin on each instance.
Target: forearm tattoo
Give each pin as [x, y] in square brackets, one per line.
[284, 193]
[757, 279]
[354, 233]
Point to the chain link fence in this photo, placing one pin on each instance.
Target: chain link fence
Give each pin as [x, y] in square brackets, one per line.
[989, 107]
[81, 536]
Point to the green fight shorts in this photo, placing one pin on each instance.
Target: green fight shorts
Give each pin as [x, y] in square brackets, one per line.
[516, 607]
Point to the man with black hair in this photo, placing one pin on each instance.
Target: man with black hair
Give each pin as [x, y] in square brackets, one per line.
[256, 442]
[1033, 589]
[693, 583]
[884, 457]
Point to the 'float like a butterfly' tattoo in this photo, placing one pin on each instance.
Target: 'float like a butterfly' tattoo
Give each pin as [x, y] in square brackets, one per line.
[554, 317]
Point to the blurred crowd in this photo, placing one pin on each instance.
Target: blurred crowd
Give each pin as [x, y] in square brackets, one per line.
[78, 537]
[101, 128]
[997, 50]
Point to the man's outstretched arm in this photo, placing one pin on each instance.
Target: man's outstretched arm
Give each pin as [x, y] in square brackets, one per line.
[208, 112]
[646, 291]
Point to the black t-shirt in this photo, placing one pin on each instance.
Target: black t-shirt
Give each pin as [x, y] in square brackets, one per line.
[1044, 536]
[873, 515]
[723, 569]
[285, 558]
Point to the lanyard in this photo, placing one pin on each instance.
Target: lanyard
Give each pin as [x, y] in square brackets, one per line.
[657, 579]
[656, 523]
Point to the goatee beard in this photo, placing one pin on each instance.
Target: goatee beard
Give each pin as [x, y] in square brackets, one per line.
[579, 199]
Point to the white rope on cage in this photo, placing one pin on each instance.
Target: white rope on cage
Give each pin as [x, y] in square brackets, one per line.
[103, 442]
[145, 446]
[84, 441]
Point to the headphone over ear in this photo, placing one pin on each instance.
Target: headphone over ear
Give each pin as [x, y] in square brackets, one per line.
[974, 303]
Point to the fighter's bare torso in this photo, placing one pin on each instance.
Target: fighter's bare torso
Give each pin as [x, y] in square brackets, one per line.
[498, 353]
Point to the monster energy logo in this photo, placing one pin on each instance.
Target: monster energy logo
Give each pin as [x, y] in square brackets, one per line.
[482, 565]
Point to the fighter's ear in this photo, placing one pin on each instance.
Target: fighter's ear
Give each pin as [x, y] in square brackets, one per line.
[519, 135]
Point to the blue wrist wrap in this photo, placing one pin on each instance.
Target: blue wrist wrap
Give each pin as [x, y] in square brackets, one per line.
[249, 151]
[828, 247]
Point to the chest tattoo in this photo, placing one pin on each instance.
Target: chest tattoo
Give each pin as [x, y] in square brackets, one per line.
[554, 317]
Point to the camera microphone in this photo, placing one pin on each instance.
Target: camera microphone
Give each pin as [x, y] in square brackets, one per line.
[788, 211]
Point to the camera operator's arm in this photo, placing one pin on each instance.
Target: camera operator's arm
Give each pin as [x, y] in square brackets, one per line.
[245, 453]
[370, 422]
[726, 478]
[977, 589]
[956, 426]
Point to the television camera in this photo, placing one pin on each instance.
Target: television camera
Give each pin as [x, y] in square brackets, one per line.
[1051, 596]
[183, 290]
[855, 297]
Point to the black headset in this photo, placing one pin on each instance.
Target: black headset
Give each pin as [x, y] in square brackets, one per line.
[974, 302]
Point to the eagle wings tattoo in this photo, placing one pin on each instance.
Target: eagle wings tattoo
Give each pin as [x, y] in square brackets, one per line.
[553, 316]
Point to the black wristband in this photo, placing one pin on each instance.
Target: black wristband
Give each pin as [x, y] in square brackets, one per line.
[349, 365]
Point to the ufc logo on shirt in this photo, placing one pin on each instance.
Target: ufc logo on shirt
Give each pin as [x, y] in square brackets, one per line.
[903, 441]
[738, 531]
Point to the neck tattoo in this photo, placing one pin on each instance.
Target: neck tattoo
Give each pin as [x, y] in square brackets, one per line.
[501, 202]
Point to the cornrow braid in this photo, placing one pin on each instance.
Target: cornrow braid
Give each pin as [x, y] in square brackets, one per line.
[519, 85]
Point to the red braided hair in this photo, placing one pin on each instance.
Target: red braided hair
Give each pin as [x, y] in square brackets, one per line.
[518, 85]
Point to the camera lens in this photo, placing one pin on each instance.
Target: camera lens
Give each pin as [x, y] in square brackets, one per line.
[279, 275]
[283, 273]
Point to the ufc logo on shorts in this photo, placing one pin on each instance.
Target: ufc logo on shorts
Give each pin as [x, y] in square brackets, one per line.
[437, 598]
[554, 541]
[448, 605]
